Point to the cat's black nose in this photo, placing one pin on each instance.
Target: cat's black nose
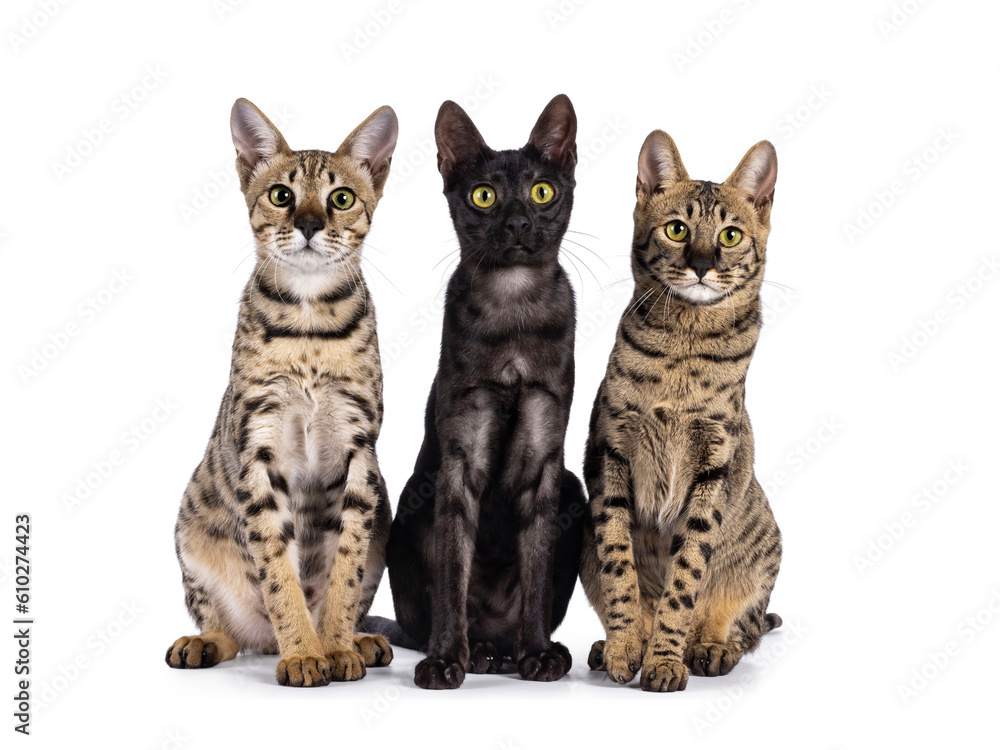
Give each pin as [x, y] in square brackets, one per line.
[517, 225]
[701, 265]
[308, 225]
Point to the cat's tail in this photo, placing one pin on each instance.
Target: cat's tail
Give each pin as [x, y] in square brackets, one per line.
[390, 630]
[771, 622]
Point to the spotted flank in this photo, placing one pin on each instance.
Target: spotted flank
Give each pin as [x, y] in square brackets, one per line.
[282, 529]
[682, 550]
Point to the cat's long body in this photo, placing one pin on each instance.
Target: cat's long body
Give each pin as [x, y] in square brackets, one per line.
[480, 570]
[282, 529]
[683, 549]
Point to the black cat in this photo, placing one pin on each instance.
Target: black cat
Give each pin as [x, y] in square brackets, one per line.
[486, 542]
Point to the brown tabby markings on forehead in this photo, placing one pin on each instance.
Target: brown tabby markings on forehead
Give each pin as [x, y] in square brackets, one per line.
[281, 534]
[683, 550]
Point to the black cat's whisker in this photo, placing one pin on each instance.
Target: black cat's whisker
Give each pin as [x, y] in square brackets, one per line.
[575, 268]
[447, 255]
[585, 234]
[579, 244]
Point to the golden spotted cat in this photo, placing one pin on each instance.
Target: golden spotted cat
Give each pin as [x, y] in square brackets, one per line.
[683, 551]
[282, 529]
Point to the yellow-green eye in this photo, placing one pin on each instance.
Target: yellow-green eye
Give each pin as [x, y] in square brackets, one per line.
[677, 230]
[280, 195]
[730, 237]
[542, 192]
[342, 199]
[484, 196]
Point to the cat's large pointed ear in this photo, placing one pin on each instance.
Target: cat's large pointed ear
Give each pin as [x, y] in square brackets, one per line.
[554, 134]
[755, 177]
[255, 137]
[660, 165]
[458, 140]
[372, 143]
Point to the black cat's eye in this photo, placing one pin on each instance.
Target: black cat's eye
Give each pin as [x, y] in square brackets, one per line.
[730, 237]
[677, 230]
[342, 198]
[280, 195]
[484, 196]
[542, 192]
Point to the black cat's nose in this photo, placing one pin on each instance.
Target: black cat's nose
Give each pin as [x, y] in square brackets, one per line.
[517, 225]
[701, 264]
[308, 225]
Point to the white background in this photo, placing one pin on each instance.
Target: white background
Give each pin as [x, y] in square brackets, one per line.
[854, 95]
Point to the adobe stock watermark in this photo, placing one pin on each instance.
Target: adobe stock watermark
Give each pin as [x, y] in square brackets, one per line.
[85, 313]
[939, 659]
[712, 29]
[380, 705]
[799, 457]
[775, 302]
[130, 441]
[899, 15]
[559, 13]
[591, 150]
[795, 118]
[955, 300]
[368, 31]
[218, 180]
[121, 108]
[921, 503]
[31, 25]
[912, 171]
[95, 646]
[224, 8]
[424, 150]
[772, 651]
[172, 739]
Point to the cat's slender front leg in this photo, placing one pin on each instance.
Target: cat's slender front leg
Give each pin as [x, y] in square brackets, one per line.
[467, 446]
[538, 439]
[696, 535]
[611, 508]
[263, 497]
[361, 495]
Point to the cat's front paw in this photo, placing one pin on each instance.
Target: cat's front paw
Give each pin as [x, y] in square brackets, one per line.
[663, 677]
[712, 659]
[439, 674]
[374, 649]
[546, 666]
[623, 656]
[346, 666]
[303, 671]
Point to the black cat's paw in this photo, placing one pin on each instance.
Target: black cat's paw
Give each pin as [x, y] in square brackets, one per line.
[438, 674]
[485, 658]
[546, 666]
[596, 659]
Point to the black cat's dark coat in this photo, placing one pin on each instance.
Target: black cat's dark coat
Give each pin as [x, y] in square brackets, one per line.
[485, 546]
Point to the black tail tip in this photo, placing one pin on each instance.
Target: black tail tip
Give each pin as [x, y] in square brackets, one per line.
[771, 622]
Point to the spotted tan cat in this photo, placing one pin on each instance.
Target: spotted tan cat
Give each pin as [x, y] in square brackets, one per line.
[282, 529]
[683, 550]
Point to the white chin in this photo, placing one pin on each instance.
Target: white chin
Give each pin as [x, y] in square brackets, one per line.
[698, 294]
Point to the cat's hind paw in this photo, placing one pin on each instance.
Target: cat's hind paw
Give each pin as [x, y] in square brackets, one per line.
[485, 658]
[374, 649]
[712, 659]
[200, 651]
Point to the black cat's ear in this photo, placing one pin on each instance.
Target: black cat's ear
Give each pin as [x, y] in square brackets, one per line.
[458, 140]
[755, 177]
[372, 143]
[554, 135]
[255, 137]
[660, 165]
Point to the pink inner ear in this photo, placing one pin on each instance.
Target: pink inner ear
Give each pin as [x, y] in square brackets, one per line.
[375, 143]
[253, 137]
